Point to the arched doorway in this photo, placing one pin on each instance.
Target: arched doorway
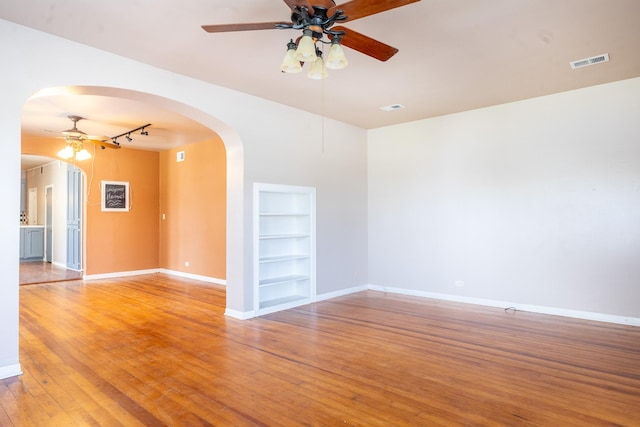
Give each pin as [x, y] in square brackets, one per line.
[233, 157]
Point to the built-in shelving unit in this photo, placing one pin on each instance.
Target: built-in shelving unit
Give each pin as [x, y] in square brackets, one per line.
[284, 247]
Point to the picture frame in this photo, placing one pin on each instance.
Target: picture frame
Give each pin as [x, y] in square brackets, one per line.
[115, 196]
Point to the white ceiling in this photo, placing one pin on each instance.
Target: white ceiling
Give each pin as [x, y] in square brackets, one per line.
[455, 55]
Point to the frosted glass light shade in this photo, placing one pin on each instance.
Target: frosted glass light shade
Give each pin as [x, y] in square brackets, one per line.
[318, 70]
[306, 51]
[66, 152]
[336, 59]
[290, 64]
[83, 154]
[74, 151]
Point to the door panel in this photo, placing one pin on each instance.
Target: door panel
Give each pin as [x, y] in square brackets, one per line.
[48, 238]
[74, 218]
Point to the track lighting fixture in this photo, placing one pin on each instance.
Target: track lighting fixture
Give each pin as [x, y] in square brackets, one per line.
[128, 133]
[306, 49]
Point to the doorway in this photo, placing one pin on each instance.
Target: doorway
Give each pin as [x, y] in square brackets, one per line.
[48, 200]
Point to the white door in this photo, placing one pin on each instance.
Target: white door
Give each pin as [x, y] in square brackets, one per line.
[74, 218]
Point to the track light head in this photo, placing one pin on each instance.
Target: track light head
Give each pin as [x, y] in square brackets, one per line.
[129, 137]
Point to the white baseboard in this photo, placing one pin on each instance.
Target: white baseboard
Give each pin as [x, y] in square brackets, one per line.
[63, 265]
[555, 311]
[10, 371]
[194, 276]
[322, 297]
[119, 274]
[242, 315]
[577, 314]
[341, 292]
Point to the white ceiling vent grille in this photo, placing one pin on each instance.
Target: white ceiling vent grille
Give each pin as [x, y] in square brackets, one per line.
[393, 107]
[590, 61]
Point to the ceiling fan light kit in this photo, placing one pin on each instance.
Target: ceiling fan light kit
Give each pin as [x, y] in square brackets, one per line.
[74, 150]
[316, 19]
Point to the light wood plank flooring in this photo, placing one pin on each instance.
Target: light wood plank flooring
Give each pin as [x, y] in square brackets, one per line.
[156, 350]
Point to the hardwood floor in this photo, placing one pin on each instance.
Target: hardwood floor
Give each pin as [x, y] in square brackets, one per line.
[32, 272]
[157, 350]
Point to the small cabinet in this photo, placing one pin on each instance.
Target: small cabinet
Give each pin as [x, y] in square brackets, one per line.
[284, 247]
[32, 243]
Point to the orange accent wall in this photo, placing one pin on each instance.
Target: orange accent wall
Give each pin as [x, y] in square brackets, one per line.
[191, 194]
[116, 241]
[193, 200]
[123, 241]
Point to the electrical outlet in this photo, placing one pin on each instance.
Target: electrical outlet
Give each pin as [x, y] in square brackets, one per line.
[186, 263]
[459, 283]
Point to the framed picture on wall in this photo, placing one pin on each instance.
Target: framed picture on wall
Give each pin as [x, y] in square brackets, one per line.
[115, 196]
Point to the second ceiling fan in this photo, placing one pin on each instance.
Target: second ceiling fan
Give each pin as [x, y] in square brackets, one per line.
[316, 18]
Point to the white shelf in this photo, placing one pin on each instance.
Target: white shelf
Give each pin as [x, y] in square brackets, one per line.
[282, 279]
[280, 258]
[282, 236]
[282, 301]
[284, 247]
[283, 214]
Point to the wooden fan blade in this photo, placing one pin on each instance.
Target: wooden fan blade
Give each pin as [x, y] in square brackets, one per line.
[223, 28]
[299, 3]
[104, 144]
[366, 44]
[98, 137]
[356, 9]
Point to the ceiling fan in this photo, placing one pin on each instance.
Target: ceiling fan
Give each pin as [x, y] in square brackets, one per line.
[316, 18]
[75, 138]
[76, 134]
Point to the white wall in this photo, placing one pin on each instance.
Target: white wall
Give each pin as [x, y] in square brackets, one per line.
[535, 202]
[265, 142]
[337, 167]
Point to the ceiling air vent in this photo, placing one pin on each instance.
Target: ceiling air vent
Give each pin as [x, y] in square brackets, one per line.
[589, 61]
[393, 107]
